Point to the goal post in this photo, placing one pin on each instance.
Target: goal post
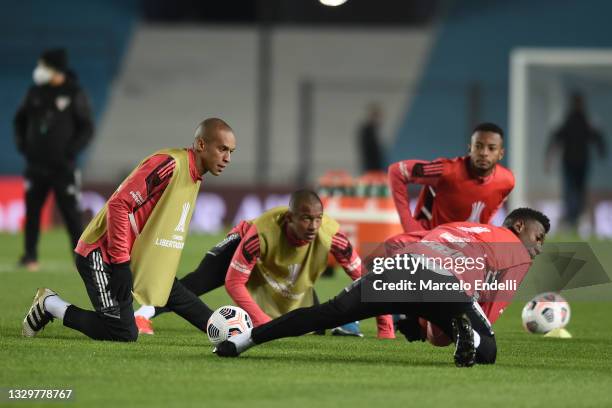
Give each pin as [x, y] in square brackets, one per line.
[538, 92]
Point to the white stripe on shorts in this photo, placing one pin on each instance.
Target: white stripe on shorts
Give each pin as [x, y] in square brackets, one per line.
[111, 302]
[482, 315]
[97, 266]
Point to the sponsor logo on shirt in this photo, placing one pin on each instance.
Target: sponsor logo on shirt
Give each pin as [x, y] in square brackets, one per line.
[62, 102]
[474, 230]
[176, 242]
[240, 267]
[354, 265]
[477, 209]
[137, 197]
[180, 227]
[169, 243]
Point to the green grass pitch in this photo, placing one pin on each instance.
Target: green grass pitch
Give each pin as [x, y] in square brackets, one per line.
[175, 367]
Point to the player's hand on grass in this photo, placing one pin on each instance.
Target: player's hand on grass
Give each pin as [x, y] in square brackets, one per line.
[121, 281]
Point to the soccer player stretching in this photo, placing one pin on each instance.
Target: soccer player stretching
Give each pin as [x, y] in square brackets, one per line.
[135, 243]
[269, 265]
[503, 255]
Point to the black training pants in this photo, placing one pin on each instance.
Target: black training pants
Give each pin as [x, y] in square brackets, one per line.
[210, 273]
[348, 306]
[113, 320]
[39, 184]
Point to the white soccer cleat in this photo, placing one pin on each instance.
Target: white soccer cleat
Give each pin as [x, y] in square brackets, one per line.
[37, 317]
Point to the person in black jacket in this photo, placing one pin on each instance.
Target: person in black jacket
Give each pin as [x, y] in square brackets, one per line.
[574, 138]
[52, 125]
[370, 148]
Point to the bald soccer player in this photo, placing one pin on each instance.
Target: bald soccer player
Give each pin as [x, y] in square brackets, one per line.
[135, 242]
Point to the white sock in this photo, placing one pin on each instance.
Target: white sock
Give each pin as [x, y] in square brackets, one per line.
[145, 311]
[56, 306]
[476, 339]
[242, 341]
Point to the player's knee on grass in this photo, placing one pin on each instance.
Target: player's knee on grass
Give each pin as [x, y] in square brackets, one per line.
[122, 329]
[486, 353]
[127, 334]
[132, 333]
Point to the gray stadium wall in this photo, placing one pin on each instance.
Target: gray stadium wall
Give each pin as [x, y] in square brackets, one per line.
[472, 50]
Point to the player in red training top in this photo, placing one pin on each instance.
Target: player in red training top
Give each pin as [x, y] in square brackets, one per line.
[440, 278]
[469, 188]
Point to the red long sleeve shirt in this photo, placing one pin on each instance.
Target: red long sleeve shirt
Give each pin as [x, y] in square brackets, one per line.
[505, 257]
[450, 193]
[131, 205]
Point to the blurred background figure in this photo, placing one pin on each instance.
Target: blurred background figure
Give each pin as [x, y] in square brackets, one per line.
[574, 139]
[52, 125]
[370, 149]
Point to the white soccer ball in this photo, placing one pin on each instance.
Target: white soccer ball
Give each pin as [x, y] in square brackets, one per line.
[227, 321]
[545, 312]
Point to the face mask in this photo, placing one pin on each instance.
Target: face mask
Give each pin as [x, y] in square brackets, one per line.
[41, 75]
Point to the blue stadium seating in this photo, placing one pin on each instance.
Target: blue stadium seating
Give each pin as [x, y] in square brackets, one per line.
[95, 32]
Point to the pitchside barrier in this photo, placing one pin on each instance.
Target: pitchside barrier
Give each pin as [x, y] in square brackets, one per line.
[363, 207]
[12, 205]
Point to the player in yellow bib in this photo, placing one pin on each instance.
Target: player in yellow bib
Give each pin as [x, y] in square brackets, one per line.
[269, 265]
[133, 245]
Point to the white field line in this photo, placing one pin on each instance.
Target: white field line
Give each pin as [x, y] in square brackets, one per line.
[45, 266]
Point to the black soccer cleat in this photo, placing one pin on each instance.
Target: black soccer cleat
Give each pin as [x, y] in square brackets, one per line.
[226, 349]
[465, 352]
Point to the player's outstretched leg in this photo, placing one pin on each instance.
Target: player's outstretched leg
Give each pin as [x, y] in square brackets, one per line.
[345, 307]
[47, 306]
[187, 305]
[295, 323]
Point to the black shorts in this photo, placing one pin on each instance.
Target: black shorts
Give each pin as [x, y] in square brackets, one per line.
[111, 320]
